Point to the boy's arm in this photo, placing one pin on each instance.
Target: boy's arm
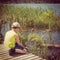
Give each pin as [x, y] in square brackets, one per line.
[18, 41]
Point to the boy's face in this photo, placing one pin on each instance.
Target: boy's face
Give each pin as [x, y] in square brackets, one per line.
[17, 29]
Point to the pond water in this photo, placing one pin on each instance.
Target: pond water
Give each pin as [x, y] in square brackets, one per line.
[51, 37]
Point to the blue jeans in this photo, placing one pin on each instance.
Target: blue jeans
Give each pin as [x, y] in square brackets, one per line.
[18, 47]
[12, 50]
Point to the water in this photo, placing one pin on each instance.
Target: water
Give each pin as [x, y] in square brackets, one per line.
[55, 7]
[55, 36]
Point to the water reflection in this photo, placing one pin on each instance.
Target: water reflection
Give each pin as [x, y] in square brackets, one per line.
[54, 38]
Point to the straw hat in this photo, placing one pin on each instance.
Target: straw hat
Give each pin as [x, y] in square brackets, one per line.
[15, 24]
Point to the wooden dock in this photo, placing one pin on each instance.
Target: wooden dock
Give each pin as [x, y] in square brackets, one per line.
[4, 55]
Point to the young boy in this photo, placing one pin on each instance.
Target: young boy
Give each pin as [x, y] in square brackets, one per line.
[12, 42]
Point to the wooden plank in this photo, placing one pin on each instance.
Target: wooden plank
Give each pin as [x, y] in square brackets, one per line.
[38, 59]
[35, 57]
[4, 55]
[27, 57]
[2, 48]
[3, 52]
[22, 57]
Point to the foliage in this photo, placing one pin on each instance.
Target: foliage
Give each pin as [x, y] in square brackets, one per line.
[22, 39]
[36, 43]
[31, 17]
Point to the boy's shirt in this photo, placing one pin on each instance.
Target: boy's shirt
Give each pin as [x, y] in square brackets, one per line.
[9, 41]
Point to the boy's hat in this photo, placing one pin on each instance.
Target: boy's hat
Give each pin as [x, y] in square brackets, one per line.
[15, 24]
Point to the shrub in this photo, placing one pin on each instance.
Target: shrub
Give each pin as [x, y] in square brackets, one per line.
[37, 45]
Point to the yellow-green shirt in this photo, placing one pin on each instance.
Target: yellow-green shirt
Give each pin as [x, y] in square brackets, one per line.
[9, 41]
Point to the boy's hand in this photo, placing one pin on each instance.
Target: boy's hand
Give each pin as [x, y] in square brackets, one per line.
[26, 48]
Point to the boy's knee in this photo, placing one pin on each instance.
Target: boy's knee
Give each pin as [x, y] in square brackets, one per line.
[20, 51]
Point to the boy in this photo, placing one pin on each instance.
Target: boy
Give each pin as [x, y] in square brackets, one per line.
[12, 42]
